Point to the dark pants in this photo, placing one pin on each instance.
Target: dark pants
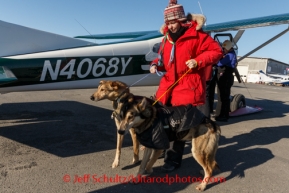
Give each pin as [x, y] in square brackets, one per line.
[205, 108]
[174, 154]
[211, 92]
[225, 82]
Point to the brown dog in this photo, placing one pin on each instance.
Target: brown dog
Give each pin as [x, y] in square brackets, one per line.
[117, 92]
[143, 117]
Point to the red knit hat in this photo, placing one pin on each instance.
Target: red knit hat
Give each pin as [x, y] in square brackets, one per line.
[174, 12]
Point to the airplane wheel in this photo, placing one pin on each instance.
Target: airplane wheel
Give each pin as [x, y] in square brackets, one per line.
[238, 101]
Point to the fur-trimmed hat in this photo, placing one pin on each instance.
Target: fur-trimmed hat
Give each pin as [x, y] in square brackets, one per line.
[198, 18]
[174, 11]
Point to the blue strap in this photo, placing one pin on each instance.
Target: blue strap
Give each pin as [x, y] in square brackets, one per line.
[159, 73]
[172, 53]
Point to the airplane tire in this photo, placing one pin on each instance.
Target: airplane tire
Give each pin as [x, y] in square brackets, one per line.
[238, 101]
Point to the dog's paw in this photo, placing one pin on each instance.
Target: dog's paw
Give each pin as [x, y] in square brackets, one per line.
[148, 172]
[135, 180]
[138, 178]
[115, 164]
[201, 187]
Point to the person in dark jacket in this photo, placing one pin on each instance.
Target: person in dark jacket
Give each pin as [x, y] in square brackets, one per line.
[225, 81]
[187, 54]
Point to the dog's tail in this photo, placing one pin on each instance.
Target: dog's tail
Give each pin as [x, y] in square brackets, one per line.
[216, 131]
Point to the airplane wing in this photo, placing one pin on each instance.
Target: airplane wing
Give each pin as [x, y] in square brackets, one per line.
[17, 39]
[218, 27]
[128, 36]
[248, 23]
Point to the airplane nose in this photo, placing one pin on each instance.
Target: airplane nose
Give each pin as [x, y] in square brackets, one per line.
[92, 98]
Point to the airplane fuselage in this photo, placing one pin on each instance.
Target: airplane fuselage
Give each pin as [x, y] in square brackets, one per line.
[82, 67]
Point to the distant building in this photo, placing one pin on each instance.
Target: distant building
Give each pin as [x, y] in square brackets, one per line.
[249, 68]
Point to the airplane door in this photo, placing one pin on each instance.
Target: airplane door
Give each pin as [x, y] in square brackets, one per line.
[220, 38]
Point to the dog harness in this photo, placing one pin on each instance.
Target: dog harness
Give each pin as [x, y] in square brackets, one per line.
[172, 123]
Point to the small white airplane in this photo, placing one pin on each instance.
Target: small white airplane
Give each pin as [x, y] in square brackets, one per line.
[33, 60]
[279, 80]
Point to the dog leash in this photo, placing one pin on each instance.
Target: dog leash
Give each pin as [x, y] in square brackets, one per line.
[157, 72]
[160, 74]
[117, 99]
[139, 80]
[171, 86]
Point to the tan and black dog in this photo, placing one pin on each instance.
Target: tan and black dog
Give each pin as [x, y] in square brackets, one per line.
[119, 93]
[142, 116]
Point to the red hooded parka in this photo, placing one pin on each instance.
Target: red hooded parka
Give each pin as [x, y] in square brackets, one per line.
[190, 89]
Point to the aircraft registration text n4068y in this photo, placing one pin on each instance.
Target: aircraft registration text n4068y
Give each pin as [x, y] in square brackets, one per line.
[97, 67]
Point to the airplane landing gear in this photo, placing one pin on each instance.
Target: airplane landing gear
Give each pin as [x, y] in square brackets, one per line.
[237, 101]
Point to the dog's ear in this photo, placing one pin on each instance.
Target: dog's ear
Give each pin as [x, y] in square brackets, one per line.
[102, 82]
[114, 85]
[130, 98]
[146, 112]
[142, 105]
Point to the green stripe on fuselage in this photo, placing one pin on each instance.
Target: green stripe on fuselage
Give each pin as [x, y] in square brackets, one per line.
[49, 70]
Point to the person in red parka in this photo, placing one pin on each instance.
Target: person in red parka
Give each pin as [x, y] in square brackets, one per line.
[185, 49]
